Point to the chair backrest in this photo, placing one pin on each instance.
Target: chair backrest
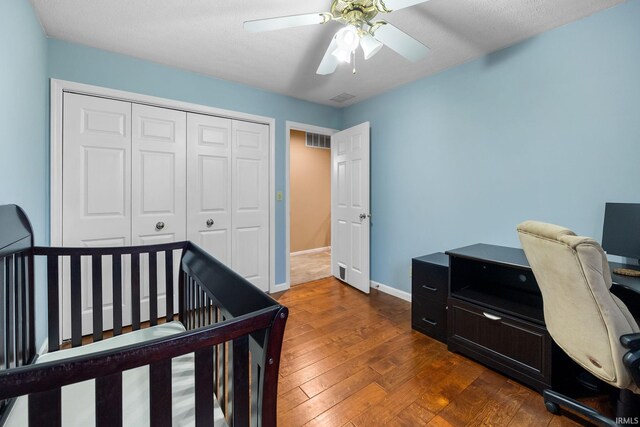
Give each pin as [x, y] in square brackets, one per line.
[583, 317]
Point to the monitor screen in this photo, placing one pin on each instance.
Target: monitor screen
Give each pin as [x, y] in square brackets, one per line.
[621, 232]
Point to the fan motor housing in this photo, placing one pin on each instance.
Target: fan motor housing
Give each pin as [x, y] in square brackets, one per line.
[354, 12]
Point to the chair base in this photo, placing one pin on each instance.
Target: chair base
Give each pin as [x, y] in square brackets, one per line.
[627, 407]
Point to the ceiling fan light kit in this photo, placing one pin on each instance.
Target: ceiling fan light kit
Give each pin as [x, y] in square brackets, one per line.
[359, 30]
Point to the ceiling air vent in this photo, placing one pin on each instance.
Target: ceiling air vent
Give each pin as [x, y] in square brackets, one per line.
[344, 96]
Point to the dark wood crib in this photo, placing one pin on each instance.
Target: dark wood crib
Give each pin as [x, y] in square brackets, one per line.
[232, 329]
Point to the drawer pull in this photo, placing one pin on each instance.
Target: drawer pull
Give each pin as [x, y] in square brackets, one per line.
[491, 316]
[431, 322]
[429, 288]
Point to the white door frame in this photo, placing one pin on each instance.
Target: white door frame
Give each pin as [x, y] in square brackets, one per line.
[59, 87]
[289, 126]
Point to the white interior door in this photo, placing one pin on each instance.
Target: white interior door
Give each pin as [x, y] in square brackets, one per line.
[350, 213]
[209, 184]
[250, 202]
[158, 189]
[96, 201]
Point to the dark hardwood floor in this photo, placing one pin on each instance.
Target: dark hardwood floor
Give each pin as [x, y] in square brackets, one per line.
[353, 360]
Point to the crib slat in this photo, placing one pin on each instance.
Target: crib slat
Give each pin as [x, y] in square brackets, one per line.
[160, 393]
[96, 288]
[204, 387]
[76, 301]
[240, 382]
[153, 288]
[3, 307]
[18, 278]
[109, 401]
[135, 291]
[45, 408]
[53, 303]
[116, 267]
[182, 309]
[31, 304]
[10, 338]
[168, 274]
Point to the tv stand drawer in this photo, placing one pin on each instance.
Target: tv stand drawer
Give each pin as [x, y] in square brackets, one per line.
[513, 346]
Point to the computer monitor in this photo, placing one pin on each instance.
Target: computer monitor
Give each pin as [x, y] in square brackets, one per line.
[621, 231]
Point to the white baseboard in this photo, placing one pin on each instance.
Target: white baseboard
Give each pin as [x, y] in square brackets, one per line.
[391, 291]
[310, 251]
[280, 287]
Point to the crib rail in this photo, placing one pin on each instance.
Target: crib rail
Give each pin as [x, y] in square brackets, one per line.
[43, 381]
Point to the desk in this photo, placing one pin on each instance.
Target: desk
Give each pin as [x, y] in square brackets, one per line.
[627, 288]
[495, 313]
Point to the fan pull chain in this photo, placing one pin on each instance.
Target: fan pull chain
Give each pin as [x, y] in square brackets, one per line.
[353, 52]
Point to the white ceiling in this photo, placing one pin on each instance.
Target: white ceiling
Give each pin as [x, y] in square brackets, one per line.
[206, 36]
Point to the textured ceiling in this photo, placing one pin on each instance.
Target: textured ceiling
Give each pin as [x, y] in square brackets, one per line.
[207, 36]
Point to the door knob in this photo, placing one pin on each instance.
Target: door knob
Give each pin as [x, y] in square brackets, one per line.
[209, 222]
[159, 225]
[363, 216]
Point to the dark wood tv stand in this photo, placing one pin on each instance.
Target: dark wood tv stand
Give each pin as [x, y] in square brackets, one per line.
[495, 313]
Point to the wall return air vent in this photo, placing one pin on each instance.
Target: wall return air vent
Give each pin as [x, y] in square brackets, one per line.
[315, 140]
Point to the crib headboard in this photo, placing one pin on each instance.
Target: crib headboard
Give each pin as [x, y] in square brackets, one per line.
[17, 317]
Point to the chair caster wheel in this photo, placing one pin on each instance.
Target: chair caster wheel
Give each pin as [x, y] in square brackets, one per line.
[552, 407]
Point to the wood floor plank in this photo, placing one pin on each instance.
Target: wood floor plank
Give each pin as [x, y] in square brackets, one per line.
[394, 403]
[412, 415]
[320, 403]
[359, 354]
[531, 412]
[291, 399]
[503, 405]
[350, 407]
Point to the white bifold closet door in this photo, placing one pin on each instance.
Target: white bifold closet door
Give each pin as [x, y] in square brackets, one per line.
[209, 183]
[96, 197]
[250, 202]
[158, 185]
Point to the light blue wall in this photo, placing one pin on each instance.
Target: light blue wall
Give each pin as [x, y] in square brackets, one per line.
[24, 166]
[548, 129]
[82, 64]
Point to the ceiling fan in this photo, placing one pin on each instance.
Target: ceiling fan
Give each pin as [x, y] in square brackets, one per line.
[359, 30]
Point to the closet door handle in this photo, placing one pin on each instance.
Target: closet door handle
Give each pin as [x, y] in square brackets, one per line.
[209, 222]
[159, 225]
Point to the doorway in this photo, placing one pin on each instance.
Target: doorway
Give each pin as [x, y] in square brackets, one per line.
[308, 203]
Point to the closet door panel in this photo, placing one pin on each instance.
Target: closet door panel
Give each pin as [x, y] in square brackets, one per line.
[96, 201]
[209, 184]
[158, 189]
[250, 202]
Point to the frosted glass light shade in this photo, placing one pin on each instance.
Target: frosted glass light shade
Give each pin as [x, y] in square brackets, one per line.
[370, 46]
[342, 55]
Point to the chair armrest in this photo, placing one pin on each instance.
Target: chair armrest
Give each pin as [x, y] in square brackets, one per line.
[632, 361]
[631, 341]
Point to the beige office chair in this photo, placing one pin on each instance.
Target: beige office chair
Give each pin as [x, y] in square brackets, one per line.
[582, 316]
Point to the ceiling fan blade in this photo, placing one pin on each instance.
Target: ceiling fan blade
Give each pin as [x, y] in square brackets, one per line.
[282, 22]
[401, 42]
[329, 61]
[401, 4]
